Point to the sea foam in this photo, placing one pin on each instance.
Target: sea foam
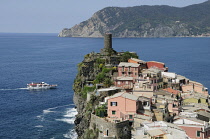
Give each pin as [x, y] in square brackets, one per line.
[69, 116]
[71, 134]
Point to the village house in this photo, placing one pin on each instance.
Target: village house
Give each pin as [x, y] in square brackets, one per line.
[123, 106]
[143, 87]
[195, 87]
[148, 82]
[128, 69]
[142, 63]
[155, 78]
[174, 81]
[159, 129]
[126, 83]
[173, 91]
[194, 128]
[127, 73]
[193, 98]
[194, 107]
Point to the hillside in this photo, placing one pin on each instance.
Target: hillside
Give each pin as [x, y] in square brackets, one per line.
[145, 21]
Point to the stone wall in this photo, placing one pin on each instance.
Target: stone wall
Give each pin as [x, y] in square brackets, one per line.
[121, 130]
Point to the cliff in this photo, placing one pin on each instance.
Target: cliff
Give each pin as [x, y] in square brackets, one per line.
[97, 68]
[145, 21]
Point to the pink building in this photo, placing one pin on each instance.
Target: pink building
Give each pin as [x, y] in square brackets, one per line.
[123, 106]
[128, 69]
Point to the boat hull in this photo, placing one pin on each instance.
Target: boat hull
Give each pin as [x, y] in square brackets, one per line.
[47, 87]
[42, 85]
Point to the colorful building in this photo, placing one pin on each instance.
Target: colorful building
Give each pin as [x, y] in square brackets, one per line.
[128, 69]
[123, 106]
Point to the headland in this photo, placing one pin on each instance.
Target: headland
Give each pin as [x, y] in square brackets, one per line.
[118, 95]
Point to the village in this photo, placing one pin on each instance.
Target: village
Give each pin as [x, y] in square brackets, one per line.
[147, 101]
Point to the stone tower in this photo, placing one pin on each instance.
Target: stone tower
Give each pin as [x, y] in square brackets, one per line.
[108, 41]
[107, 50]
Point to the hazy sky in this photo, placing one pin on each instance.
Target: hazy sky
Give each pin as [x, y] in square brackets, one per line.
[51, 16]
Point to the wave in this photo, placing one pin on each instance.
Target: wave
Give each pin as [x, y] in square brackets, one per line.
[71, 112]
[39, 126]
[66, 120]
[69, 116]
[49, 110]
[71, 134]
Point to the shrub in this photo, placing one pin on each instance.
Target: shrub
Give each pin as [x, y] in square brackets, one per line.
[127, 55]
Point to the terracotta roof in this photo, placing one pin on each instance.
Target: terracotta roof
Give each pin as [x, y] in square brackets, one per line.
[170, 90]
[159, 65]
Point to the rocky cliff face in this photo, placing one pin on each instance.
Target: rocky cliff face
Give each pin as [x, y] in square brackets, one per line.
[145, 21]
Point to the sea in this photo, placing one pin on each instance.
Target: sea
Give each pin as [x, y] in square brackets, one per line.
[50, 114]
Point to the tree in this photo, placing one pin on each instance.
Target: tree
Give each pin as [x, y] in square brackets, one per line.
[108, 82]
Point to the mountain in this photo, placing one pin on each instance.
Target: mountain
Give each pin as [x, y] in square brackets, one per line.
[145, 21]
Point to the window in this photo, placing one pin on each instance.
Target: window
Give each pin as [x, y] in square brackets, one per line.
[198, 133]
[126, 82]
[113, 104]
[118, 82]
[113, 112]
[144, 103]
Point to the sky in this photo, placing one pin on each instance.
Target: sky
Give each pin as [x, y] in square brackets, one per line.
[51, 16]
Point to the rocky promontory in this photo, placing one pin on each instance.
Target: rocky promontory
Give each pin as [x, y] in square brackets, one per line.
[119, 96]
[145, 21]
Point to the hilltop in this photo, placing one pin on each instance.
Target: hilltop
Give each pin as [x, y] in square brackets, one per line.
[145, 21]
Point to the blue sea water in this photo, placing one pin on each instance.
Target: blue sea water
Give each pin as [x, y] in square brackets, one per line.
[49, 114]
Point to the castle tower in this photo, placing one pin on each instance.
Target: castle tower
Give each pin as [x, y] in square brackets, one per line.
[108, 41]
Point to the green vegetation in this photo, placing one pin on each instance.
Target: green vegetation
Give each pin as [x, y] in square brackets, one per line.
[104, 77]
[87, 89]
[101, 111]
[127, 55]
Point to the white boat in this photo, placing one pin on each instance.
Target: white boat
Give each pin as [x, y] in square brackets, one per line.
[41, 85]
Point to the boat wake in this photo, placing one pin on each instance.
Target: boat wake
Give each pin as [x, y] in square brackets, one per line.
[14, 89]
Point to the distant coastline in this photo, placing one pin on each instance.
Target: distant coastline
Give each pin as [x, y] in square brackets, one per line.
[145, 21]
